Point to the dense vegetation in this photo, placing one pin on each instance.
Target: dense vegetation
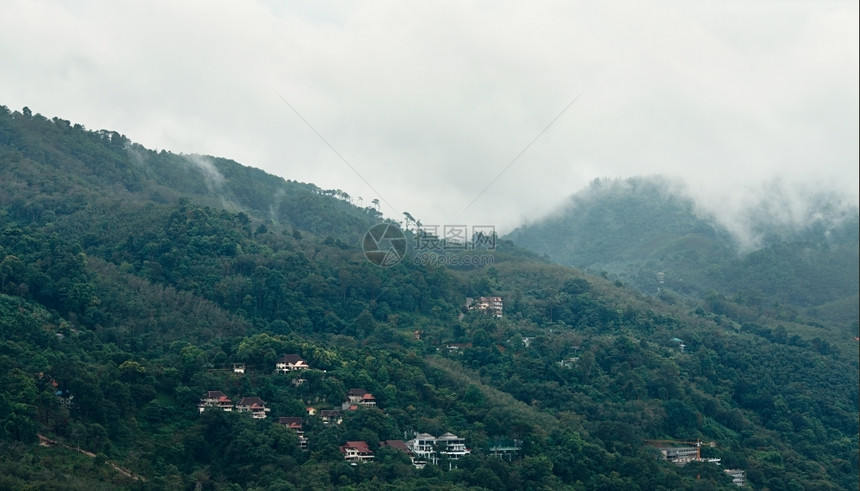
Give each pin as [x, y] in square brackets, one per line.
[646, 231]
[132, 280]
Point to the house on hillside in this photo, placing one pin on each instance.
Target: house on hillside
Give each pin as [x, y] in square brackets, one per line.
[289, 363]
[432, 449]
[681, 452]
[454, 348]
[295, 424]
[64, 397]
[452, 446]
[493, 305]
[355, 452]
[254, 405]
[505, 449]
[331, 416]
[738, 476]
[359, 397]
[239, 368]
[215, 399]
[298, 382]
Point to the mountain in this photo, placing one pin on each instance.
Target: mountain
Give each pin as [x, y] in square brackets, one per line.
[137, 287]
[648, 232]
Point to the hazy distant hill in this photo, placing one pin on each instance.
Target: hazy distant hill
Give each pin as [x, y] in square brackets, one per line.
[132, 281]
[644, 230]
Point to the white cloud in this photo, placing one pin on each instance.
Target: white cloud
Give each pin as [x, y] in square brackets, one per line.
[429, 101]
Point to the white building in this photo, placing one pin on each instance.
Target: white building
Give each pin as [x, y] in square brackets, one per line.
[429, 448]
[289, 363]
[215, 399]
[493, 305]
[738, 476]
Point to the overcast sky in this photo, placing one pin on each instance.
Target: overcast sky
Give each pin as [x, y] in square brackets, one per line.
[430, 101]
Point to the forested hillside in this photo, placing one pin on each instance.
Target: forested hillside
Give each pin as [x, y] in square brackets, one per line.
[648, 232]
[134, 283]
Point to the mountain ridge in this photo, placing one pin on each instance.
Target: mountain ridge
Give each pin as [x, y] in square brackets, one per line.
[639, 228]
[127, 292]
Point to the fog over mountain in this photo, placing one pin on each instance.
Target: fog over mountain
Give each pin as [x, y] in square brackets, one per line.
[148, 299]
[778, 209]
[796, 250]
[429, 107]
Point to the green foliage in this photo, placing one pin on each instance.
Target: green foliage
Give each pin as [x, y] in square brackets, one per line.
[132, 280]
[644, 232]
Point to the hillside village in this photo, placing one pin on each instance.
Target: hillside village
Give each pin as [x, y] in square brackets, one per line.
[421, 449]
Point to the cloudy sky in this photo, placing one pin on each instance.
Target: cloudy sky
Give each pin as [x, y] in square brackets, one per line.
[429, 103]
